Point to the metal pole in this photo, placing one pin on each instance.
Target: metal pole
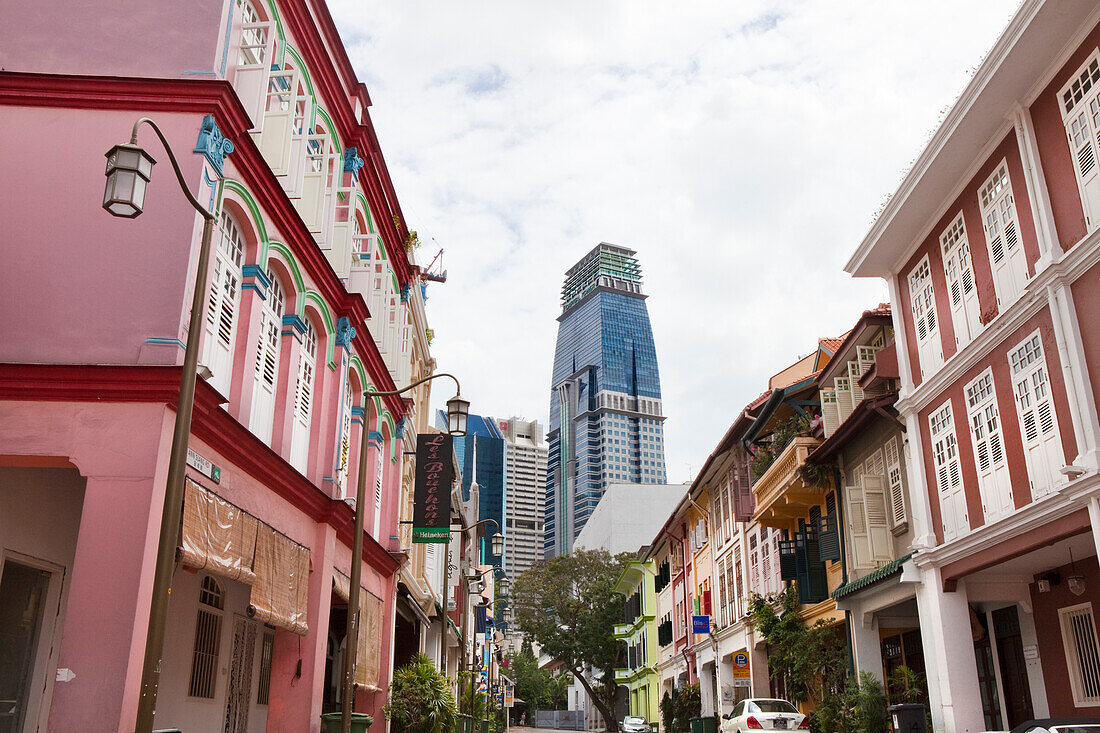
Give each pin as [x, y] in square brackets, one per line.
[351, 638]
[177, 466]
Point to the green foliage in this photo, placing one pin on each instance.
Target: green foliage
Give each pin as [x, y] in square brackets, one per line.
[470, 701]
[819, 475]
[785, 431]
[812, 660]
[536, 687]
[859, 708]
[421, 699]
[906, 685]
[569, 606]
[668, 711]
[679, 707]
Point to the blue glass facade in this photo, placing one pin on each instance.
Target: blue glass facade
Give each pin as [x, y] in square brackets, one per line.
[605, 411]
[482, 448]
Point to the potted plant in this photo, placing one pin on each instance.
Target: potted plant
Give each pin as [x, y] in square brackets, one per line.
[420, 699]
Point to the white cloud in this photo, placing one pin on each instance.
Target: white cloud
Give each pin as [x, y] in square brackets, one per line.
[740, 148]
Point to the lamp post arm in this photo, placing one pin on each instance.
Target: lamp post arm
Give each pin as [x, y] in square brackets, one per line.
[375, 393]
[483, 521]
[175, 165]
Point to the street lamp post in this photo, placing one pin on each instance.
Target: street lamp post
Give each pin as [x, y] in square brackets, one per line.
[457, 411]
[129, 169]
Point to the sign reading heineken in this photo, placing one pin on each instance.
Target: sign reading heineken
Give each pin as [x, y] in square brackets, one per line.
[432, 498]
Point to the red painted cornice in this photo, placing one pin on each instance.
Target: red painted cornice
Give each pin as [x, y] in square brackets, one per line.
[209, 423]
[216, 97]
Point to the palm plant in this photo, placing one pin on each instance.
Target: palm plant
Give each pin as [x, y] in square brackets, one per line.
[420, 699]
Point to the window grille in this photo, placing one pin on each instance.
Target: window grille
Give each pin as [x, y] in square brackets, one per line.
[208, 632]
[1082, 653]
[263, 691]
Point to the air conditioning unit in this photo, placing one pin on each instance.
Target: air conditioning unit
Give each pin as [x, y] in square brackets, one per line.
[451, 605]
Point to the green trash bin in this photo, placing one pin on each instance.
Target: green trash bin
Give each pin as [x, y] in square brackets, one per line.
[464, 724]
[703, 725]
[330, 722]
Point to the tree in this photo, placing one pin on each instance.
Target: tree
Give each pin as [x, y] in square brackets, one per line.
[421, 699]
[536, 687]
[569, 607]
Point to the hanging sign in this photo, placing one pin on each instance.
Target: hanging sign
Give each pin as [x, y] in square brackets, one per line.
[509, 696]
[432, 495]
[700, 624]
[740, 666]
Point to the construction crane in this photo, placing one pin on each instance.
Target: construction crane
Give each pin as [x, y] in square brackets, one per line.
[435, 277]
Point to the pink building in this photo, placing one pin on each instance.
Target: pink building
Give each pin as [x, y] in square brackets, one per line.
[991, 248]
[305, 310]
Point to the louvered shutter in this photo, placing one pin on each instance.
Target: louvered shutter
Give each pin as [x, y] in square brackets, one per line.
[744, 501]
[860, 545]
[223, 304]
[828, 537]
[254, 46]
[275, 139]
[262, 420]
[866, 361]
[893, 478]
[788, 560]
[706, 602]
[1002, 235]
[853, 381]
[1038, 420]
[961, 290]
[923, 298]
[766, 569]
[876, 512]
[303, 399]
[844, 400]
[754, 566]
[343, 450]
[1081, 115]
[949, 483]
[317, 181]
[378, 493]
[830, 413]
[985, 432]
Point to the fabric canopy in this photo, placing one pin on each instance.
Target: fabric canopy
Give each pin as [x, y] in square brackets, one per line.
[280, 593]
[217, 536]
[368, 654]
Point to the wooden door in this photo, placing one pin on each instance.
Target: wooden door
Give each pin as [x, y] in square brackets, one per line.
[1010, 649]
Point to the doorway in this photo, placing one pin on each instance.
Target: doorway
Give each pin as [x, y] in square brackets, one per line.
[237, 695]
[1010, 650]
[24, 648]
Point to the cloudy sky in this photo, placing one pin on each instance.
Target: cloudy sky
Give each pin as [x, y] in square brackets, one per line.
[741, 148]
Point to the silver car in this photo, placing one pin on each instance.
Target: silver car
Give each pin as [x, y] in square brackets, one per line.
[634, 724]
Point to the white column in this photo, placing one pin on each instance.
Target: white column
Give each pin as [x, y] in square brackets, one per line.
[951, 666]
[1037, 683]
[900, 343]
[920, 507]
[866, 647]
[1071, 355]
[1049, 247]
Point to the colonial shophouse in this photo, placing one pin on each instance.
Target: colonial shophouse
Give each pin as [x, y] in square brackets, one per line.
[991, 248]
[307, 309]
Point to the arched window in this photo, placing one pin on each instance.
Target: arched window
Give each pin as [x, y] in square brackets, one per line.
[208, 637]
[253, 41]
[343, 448]
[223, 304]
[378, 489]
[267, 361]
[303, 399]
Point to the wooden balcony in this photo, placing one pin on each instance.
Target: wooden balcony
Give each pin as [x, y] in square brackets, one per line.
[782, 497]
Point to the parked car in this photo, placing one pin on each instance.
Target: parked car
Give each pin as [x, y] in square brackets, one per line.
[634, 724]
[1059, 725]
[765, 714]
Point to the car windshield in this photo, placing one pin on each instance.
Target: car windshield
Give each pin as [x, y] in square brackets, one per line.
[633, 719]
[773, 706]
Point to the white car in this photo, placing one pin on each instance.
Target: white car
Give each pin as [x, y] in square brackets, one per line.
[764, 714]
[634, 724]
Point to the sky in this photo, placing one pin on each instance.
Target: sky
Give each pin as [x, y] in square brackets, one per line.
[741, 148]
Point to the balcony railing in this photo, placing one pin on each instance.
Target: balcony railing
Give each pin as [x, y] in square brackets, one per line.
[782, 495]
[621, 630]
[623, 675]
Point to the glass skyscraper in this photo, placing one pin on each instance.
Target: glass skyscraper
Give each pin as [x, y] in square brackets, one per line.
[605, 401]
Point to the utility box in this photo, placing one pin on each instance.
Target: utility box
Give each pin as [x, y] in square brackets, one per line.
[703, 725]
[330, 722]
[909, 718]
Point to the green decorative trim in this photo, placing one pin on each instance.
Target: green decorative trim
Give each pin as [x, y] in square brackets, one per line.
[366, 210]
[357, 364]
[319, 110]
[302, 69]
[314, 297]
[291, 263]
[385, 416]
[872, 577]
[396, 287]
[274, 12]
[257, 219]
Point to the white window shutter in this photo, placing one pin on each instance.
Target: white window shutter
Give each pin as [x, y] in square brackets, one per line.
[923, 300]
[223, 304]
[945, 456]
[994, 483]
[378, 492]
[1038, 419]
[854, 374]
[962, 293]
[844, 401]
[343, 450]
[893, 479]
[830, 412]
[275, 139]
[876, 511]
[857, 524]
[303, 399]
[1080, 110]
[255, 40]
[1002, 235]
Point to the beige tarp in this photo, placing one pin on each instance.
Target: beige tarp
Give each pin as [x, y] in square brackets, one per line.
[281, 590]
[368, 655]
[217, 537]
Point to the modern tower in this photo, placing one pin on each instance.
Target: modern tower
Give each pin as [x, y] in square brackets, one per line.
[524, 492]
[480, 455]
[605, 399]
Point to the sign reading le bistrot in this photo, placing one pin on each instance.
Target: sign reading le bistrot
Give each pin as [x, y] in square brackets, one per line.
[432, 498]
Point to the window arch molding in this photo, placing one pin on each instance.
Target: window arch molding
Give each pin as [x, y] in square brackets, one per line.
[282, 252]
[235, 194]
[310, 296]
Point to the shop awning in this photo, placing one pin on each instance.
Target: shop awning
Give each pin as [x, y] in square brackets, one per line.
[368, 654]
[870, 578]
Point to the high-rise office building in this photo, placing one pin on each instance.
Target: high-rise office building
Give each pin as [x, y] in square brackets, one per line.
[480, 455]
[605, 401]
[524, 492]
